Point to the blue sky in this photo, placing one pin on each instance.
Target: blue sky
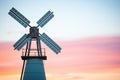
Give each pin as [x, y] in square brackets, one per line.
[74, 19]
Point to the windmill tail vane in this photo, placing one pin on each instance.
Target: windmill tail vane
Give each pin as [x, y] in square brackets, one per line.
[28, 71]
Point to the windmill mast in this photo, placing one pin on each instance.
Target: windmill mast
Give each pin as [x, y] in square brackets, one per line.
[33, 66]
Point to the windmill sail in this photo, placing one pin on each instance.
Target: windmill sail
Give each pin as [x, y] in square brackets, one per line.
[21, 42]
[50, 43]
[19, 17]
[47, 17]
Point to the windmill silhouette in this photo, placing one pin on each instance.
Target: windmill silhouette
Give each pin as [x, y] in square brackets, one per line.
[33, 67]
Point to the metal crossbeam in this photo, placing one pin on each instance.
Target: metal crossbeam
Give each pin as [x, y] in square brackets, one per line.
[19, 17]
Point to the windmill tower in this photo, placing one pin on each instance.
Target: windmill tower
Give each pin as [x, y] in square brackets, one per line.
[33, 67]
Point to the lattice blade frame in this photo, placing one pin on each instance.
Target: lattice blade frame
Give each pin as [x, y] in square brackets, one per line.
[19, 17]
[45, 19]
[51, 41]
[50, 44]
[23, 43]
[20, 40]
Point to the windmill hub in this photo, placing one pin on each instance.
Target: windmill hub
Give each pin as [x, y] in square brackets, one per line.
[34, 32]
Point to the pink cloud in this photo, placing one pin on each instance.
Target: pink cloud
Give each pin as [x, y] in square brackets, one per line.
[9, 59]
[90, 54]
[84, 55]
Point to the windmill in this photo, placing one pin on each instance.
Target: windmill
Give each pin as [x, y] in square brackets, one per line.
[33, 67]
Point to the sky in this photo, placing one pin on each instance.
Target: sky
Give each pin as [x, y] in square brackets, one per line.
[87, 30]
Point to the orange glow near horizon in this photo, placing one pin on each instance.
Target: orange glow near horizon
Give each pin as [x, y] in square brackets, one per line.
[86, 59]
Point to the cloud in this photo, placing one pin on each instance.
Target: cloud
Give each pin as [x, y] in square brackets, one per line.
[10, 61]
[83, 55]
[91, 54]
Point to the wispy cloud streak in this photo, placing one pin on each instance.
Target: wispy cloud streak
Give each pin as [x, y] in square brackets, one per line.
[101, 54]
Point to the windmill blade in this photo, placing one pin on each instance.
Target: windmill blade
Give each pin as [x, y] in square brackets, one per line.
[50, 43]
[47, 17]
[19, 17]
[21, 42]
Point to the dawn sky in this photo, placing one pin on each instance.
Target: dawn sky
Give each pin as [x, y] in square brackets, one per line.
[87, 30]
